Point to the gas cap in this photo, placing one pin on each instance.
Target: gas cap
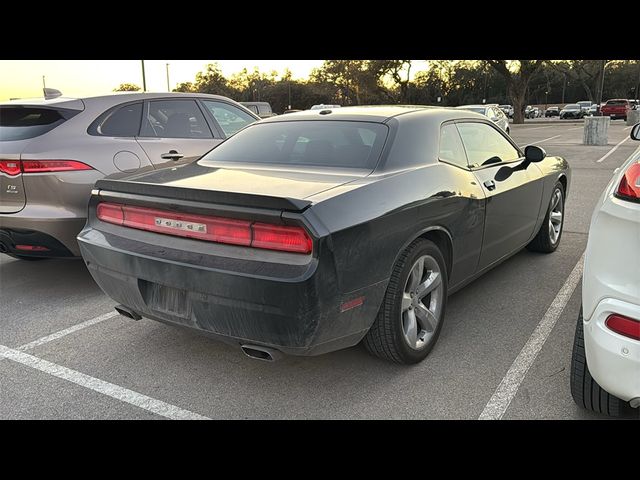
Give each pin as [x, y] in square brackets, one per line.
[126, 161]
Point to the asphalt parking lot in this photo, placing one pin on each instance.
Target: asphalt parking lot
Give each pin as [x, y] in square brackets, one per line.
[67, 356]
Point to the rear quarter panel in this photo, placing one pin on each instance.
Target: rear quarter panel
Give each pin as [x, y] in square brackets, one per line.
[370, 225]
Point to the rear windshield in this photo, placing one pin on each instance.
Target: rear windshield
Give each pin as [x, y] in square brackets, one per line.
[617, 102]
[20, 123]
[301, 143]
[572, 107]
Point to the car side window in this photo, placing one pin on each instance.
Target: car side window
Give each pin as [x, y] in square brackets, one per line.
[451, 149]
[174, 119]
[230, 118]
[485, 145]
[121, 121]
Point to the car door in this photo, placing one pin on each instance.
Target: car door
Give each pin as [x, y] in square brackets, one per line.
[513, 192]
[175, 131]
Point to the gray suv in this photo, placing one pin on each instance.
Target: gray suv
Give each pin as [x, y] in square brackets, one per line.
[53, 151]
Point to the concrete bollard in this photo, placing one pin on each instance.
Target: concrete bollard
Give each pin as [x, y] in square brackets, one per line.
[596, 130]
[633, 117]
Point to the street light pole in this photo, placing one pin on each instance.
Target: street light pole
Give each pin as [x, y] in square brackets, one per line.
[168, 87]
[144, 78]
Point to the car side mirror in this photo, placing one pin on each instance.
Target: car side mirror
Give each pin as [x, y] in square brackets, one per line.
[635, 132]
[534, 154]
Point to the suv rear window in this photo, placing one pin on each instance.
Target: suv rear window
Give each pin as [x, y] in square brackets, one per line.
[301, 143]
[21, 123]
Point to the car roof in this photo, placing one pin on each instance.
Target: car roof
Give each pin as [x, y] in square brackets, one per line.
[377, 113]
[111, 98]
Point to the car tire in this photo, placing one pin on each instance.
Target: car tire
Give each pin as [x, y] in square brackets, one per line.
[546, 240]
[387, 338]
[585, 390]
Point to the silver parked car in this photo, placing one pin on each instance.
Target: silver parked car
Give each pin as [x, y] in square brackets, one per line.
[52, 151]
[495, 114]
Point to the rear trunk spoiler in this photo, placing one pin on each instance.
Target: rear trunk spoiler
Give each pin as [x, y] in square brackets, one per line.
[205, 196]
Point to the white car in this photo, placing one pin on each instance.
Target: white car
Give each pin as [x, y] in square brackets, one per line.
[322, 106]
[605, 366]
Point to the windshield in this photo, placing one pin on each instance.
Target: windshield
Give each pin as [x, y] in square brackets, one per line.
[304, 142]
[572, 107]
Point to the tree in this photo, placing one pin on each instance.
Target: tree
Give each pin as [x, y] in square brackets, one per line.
[185, 87]
[210, 81]
[517, 74]
[354, 83]
[587, 73]
[398, 70]
[127, 87]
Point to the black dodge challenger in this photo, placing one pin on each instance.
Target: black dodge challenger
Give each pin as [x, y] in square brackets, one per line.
[310, 232]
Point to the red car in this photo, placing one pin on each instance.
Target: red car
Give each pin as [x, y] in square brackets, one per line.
[616, 108]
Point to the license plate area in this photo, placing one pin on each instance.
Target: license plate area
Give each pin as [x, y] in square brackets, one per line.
[162, 298]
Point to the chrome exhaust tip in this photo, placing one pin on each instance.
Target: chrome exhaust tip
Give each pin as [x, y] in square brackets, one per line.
[258, 352]
[127, 312]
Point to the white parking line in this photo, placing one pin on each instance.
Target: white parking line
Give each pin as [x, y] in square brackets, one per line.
[606, 155]
[66, 331]
[506, 391]
[539, 128]
[114, 391]
[628, 128]
[540, 141]
[577, 128]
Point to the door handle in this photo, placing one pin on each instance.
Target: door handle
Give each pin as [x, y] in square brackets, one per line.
[172, 155]
[490, 184]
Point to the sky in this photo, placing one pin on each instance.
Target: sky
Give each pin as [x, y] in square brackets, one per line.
[78, 78]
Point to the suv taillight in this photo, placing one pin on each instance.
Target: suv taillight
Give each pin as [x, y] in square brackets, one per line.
[629, 187]
[15, 167]
[10, 167]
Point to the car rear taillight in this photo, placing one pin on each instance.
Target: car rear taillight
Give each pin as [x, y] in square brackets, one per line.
[43, 166]
[15, 167]
[629, 186]
[625, 326]
[10, 167]
[203, 227]
[276, 237]
[111, 213]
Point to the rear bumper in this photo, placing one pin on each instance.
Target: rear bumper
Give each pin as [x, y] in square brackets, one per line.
[292, 308]
[613, 114]
[44, 226]
[613, 360]
[15, 242]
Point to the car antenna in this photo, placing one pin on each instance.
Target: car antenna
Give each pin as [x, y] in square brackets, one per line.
[50, 93]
